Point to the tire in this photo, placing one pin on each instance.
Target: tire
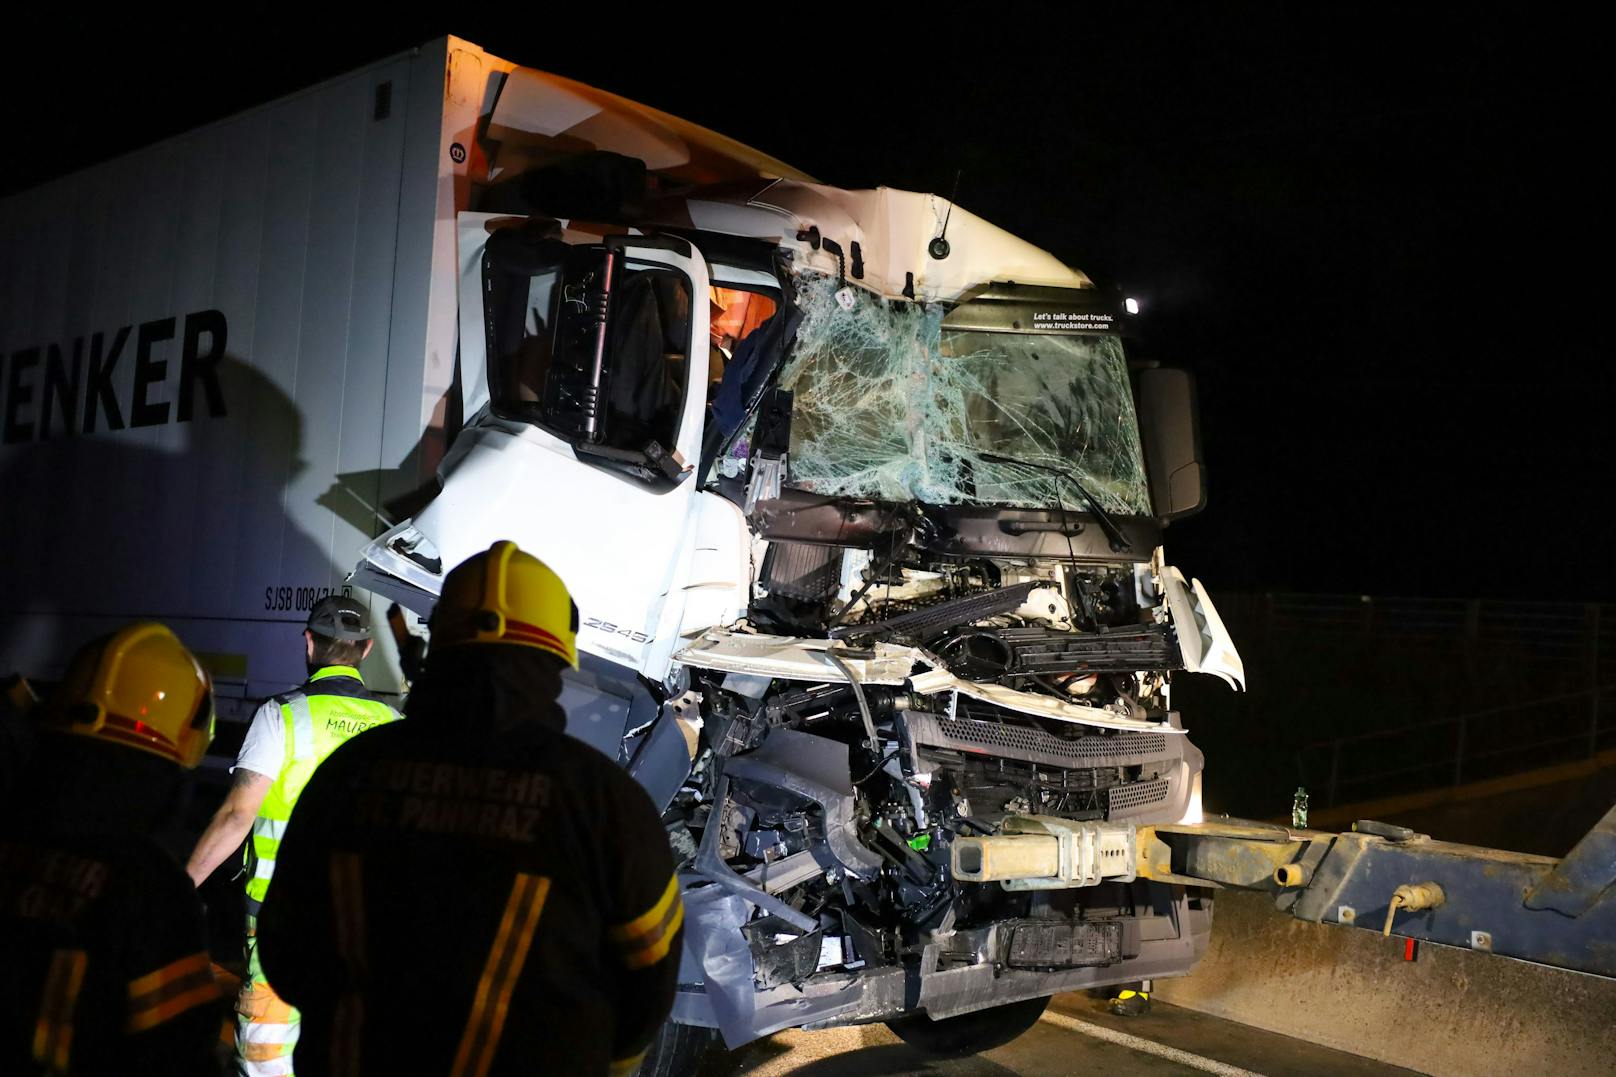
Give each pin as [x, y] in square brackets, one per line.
[680, 1051]
[969, 1033]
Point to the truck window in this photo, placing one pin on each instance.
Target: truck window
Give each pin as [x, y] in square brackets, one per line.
[892, 404]
[553, 363]
[732, 316]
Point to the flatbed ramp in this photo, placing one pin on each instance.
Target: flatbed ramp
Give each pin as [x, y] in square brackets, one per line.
[1075, 1036]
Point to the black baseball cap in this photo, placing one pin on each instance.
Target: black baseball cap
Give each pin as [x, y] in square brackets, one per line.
[340, 617]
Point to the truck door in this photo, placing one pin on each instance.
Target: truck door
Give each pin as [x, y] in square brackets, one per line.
[585, 359]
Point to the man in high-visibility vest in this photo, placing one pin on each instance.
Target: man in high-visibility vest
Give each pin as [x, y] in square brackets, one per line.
[472, 891]
[289, 738]
[103, 963]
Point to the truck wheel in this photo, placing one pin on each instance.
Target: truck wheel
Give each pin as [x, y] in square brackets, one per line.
[680, 1051]
[969, 1033]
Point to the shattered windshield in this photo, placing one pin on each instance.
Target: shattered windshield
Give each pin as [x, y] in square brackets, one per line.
[890, 405]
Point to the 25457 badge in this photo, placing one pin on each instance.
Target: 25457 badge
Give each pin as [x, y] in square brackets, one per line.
[301, 599]
[616, 630]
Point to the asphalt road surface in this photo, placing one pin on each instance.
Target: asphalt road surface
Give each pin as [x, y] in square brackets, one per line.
[1075, 1036]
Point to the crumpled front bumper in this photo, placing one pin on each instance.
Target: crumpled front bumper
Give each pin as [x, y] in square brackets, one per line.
[717, 989]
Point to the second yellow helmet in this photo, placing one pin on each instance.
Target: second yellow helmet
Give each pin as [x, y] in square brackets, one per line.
[139, 688]
[504, 595]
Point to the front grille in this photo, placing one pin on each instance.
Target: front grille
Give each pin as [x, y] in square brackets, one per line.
[1034, 650]
[996, 786]
[1136, 795]
[1032, 745]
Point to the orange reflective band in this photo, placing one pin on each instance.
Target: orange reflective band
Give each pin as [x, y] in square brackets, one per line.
[348, 1021]
[200, 995]
[167, 974]
[53, 1031]
[348, 895]
[654, 947]
[262, 1052]
[646, 939]
[170, 991]
[651, 918]
[623, 1066]
[348, 899]
[500, 973]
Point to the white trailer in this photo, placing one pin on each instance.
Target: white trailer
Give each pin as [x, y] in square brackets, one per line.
[228, 360]
[860, 497]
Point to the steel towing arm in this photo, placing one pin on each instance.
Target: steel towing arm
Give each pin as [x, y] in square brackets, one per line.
[1387, 878]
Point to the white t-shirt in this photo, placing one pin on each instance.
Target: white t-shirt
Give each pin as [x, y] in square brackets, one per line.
[264, 749]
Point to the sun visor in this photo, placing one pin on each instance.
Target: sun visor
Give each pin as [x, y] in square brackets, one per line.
[896, 233]
[540, 116]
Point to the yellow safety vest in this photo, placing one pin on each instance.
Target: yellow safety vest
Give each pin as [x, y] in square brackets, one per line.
[317, 723]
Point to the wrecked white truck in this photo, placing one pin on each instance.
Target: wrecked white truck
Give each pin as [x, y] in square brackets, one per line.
[861, 502]
[860, 498]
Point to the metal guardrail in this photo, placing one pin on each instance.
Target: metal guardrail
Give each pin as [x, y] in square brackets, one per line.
[1489, 653]
[1470, 746]
[1563, 632]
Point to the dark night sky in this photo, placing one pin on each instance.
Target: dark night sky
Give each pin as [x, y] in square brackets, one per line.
[1373, 239]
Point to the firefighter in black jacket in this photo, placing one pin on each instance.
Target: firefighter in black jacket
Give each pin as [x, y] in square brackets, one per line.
[472, 891]
[103, 967]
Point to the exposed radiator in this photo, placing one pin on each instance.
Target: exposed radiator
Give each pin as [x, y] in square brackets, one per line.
[921, 625]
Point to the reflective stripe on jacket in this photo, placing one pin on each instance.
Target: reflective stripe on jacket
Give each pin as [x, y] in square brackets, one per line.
[319, 717]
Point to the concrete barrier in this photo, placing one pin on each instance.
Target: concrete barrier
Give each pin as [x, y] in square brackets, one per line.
[1448, 1012]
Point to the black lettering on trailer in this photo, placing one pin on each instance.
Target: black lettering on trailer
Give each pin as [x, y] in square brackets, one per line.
[61, 388]
[143, 412]
[18, 394]
[99, 389]
[307, 597]
[299, 599]
[195, 366]
[29, 405]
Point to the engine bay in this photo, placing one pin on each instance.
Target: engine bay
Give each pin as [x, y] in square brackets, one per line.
[832, 778]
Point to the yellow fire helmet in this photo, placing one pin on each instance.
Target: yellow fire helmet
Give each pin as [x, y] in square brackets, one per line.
[504, 595]
[140, 688]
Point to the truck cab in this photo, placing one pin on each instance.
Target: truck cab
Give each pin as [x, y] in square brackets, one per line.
[861, 500]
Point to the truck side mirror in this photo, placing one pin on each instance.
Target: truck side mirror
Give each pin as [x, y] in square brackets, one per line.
[1171, 428]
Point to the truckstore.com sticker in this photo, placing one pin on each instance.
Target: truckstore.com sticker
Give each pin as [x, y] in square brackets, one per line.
[1074, 321]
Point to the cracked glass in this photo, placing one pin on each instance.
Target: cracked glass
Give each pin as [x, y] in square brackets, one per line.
[890, 405]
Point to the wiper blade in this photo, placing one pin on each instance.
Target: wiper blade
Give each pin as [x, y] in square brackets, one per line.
[1113, 533]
